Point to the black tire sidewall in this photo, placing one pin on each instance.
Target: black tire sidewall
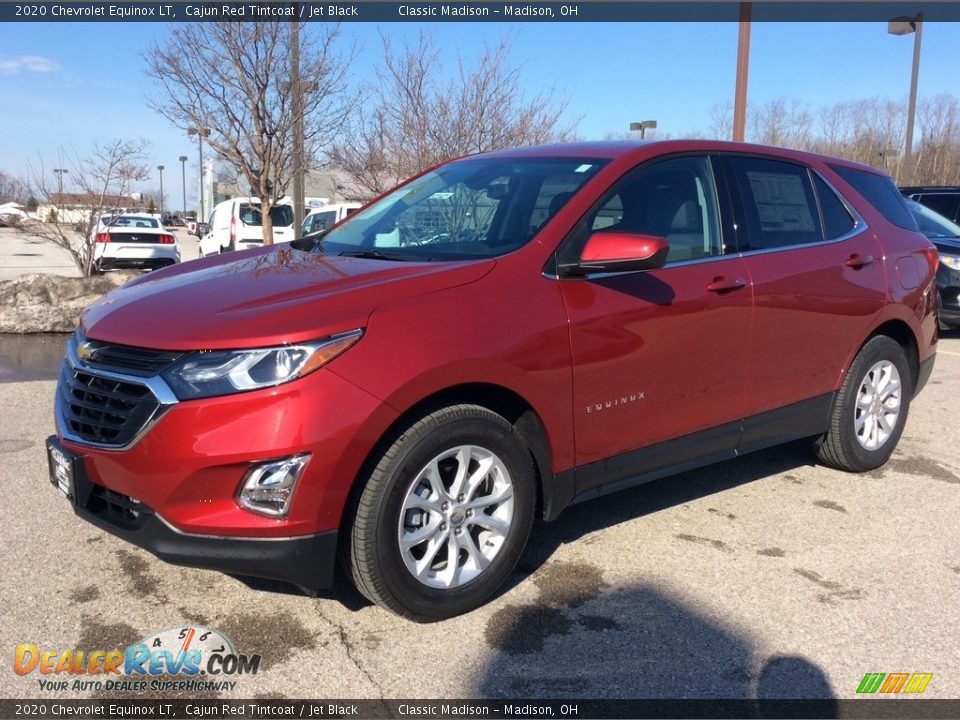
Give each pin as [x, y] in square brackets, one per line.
[876, 350]
[485, 430]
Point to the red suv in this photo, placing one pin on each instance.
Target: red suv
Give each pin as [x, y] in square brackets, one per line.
[495, 339]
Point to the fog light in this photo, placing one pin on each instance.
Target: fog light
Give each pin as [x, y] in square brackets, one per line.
[268, 488]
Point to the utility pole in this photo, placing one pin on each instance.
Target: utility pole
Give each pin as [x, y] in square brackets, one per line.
[743, 66]
[160, 168]
[297, 90]
[183, 172]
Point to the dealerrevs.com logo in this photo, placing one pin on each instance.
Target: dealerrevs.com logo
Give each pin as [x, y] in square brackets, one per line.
[191, 659]
[894, 683]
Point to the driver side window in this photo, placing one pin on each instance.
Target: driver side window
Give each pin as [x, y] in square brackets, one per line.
[675, 199]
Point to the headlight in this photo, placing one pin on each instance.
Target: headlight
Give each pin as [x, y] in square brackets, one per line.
[223, 372]
[951, 261]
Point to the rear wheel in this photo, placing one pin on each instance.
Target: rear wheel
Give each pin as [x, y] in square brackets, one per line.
[444, 515]
[871, 408]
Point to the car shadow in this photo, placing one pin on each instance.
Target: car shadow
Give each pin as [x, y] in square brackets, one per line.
[643, 643]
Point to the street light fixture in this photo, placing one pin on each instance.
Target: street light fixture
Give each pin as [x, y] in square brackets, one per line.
[643, 126]
[160, 168]
[201, 133]
[905, 26]
[60, 172]
[183, 172]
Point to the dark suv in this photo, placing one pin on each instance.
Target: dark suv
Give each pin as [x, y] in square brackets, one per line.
[496, 339]
[944, 199]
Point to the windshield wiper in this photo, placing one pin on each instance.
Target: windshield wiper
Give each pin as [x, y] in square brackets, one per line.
[374, 255]
[312, 242]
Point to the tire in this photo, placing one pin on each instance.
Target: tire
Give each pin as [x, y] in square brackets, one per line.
[871, 408]
[410, 518]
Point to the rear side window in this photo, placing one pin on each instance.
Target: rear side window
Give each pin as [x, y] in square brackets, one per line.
[837, 221]
[880, 192]
[778, 202]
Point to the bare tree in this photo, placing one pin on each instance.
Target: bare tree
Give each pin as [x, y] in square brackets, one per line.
[417, 118]
[105, 180]
[721, 121]
[234, 79]
[12, 189]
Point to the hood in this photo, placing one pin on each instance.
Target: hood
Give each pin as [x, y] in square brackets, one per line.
[267, 296]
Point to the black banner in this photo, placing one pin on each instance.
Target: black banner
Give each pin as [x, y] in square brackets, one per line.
[480, 709]
[510, 12]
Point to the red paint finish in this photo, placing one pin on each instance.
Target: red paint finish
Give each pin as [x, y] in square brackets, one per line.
[608, 363]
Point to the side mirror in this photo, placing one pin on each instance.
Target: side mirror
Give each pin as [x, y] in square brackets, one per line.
[201, 229]
[623, 252]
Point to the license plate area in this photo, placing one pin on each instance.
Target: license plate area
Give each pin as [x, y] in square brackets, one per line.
[63, 469]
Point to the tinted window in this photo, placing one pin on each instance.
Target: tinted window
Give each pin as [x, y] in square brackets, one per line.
[836, 220]
[778, 202]
[943, 203]
[931, 223]
[280, 215]
[672, 198]
[880, 192]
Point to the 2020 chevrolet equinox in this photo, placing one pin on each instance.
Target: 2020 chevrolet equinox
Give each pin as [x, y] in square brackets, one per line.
[495, 339]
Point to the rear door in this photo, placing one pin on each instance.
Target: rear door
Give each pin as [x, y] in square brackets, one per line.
[818, 283]
[661, 354]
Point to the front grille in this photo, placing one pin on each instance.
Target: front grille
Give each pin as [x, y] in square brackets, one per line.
[124, 358]
[102, 410]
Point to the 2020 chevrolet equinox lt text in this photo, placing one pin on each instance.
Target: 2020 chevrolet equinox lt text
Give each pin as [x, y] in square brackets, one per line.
[497, 338]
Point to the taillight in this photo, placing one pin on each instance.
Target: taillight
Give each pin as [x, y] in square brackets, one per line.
[103, 237]
[167, 240]
[933, 257]
[233, 231]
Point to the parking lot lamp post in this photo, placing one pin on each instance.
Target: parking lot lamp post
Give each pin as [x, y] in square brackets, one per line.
[643, 126]
[905, 26]
[183, 173]
[60, 172]
[160, 168]
[201, 133]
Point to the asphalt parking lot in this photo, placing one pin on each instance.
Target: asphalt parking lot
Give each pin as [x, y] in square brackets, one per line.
[768, 576]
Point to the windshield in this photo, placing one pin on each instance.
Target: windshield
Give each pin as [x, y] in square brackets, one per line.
[473, 208]
[280, 215]
[932, 224]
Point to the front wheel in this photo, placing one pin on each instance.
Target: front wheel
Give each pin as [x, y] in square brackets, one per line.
[444, 515]
[870, 410]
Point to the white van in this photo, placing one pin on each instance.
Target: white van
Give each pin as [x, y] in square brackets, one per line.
[327, 216]
[237, 224]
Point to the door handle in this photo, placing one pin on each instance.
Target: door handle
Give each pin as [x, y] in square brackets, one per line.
[723, 285]
[857, 261]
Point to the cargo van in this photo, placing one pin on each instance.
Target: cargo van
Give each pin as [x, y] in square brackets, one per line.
[327, 216]
[237, 224]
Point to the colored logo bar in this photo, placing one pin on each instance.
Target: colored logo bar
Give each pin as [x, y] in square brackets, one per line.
[894, 683]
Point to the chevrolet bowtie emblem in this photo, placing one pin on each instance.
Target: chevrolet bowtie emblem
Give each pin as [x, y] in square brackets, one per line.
[86, 351]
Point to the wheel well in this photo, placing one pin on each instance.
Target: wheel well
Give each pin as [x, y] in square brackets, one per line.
[506, 403]
[900, 333]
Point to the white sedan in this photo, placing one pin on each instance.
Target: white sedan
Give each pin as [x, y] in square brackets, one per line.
[134, 241]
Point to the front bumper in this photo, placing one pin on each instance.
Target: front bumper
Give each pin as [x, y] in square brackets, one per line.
[305, 561]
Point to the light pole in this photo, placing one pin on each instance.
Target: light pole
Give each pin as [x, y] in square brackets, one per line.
[643, 126]
[743, 67]
[60, 172]
[905, 26]
[183, 173]
[201, 133]
[160, 168]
